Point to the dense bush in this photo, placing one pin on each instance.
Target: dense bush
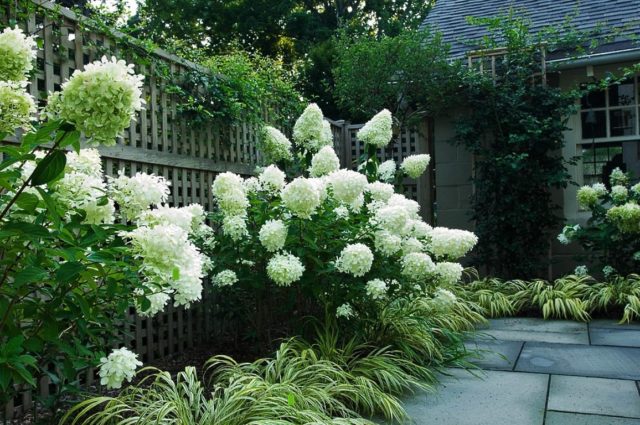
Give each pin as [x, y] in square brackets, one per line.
[70, 266]
[610, 236]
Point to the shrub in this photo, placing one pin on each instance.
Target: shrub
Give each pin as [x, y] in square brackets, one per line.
[71, 267]
[610, 236]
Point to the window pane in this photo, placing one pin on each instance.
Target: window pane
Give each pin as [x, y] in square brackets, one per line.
[599, 160]
[622, 94]
[594, 124]
[623, 122]
[594, 99]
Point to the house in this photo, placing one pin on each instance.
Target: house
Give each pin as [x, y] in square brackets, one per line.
[604, 133]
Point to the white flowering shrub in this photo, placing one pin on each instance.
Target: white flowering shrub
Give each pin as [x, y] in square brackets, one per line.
[610, 236]
[325, 239]
[79, 250]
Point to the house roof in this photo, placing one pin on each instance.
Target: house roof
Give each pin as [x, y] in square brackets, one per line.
[449, 17]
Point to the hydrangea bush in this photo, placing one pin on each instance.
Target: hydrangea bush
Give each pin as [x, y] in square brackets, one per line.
[79, 249]
[325, 239]
[610, 236]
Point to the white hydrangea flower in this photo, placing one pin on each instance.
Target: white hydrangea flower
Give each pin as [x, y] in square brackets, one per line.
[252, 185]
[387, 243]
[273, 235]
[87, 161]
[618, 177]
[451, 243]
[310, 130]
[410, 245]
[301, 197]
[284, 269]
[393, 219]
[355, 259]
[17, 53]
[387, 170]
[449, 273]
[444, 298]
[77, 190]
[324, 162]
[417, 266]
[347, 185]
[341, 211]
[229, 191]
[165, 215]
[136, 194]
[376, 289]
[357, 204]
[276, 145]
[581, 270]
[225, 278]
[158, 301]
[272, 179]
[100, 101]
[345, 311]
[619, 194]
[600, 189]
[411, 206]
[169, 260]
[17, 107]
[121, 364]
[415, 165]
[418, 229]
[235, 227]
[377, 131]
[563, 239]
[380, 191]
[198, 215]
[320, 183]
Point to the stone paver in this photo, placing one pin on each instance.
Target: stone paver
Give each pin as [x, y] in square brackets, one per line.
[612, 397]
[535, 329]
[612, 324]
[495, 354]
[562, 418]
[579, 360]
[615, 337]
[498, 398]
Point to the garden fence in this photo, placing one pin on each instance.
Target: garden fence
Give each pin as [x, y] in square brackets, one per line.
[189, 154]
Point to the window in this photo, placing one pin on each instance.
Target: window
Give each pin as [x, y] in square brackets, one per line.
[610, 130]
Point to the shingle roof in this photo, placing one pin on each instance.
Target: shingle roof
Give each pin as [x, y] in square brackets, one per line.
[449, 16]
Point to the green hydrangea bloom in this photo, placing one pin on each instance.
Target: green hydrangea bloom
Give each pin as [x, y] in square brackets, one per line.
[626, 217]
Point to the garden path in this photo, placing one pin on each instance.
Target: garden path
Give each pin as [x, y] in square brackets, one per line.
[537, 372]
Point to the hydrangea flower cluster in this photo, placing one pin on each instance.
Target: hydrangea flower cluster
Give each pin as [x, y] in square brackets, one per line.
[284, 269]
[301, 197]
[272, 179]
[589, 196]
[415, 165]
[121, 364]
[347, 185]
[225, 278]
[345, 311]
[618, 177]
[451, 243]
[276, 145]
[380, 191]
[449, 273]
[355, 259]
[136, 194]
[619, 194]
[17, 107]
[234, 226]
[387, 170]
[626, 217]
[311, 131]
[377, 131]
[100, 101]
[230, 193]
[376, 289]
[387, 243]
[324, 162]
[417, 266]
[18, 53]
[273, 235]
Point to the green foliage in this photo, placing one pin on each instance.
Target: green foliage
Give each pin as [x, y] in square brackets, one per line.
[610, 236]
[65, 285]
[334, 380]
[409, 74]
[566, 298]
[514, 129]
[620, 292]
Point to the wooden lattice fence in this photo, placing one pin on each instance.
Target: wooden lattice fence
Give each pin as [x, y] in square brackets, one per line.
[161, 141]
